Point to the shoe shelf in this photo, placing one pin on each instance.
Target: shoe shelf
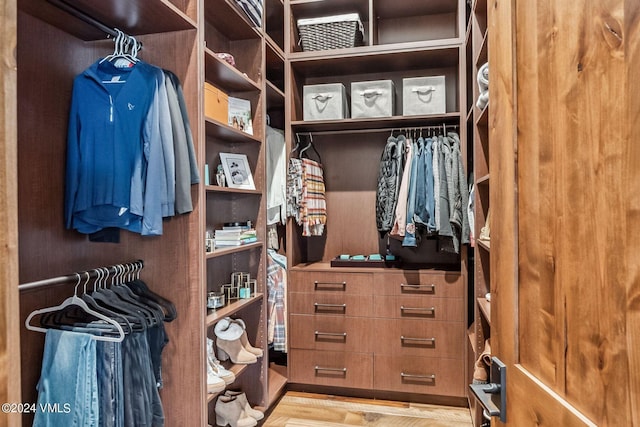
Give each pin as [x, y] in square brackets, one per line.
[213, 316]
[484, 244]
[485, 309]
[237, 371]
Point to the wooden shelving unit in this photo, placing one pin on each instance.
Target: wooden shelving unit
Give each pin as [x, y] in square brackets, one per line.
[402, 40]
[479, 137]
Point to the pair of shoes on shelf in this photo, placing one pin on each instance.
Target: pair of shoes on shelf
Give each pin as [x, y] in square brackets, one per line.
[232, 408]
[217, 376]
[482, 365]
[232, 342]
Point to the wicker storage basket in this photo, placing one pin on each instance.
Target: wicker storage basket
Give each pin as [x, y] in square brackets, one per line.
[331, 32]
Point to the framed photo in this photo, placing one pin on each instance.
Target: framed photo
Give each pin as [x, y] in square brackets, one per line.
[237, 171]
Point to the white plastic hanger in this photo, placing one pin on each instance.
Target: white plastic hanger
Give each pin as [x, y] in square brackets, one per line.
[75, 300]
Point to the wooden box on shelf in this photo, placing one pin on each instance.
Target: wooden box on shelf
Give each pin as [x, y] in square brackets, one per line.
[216, 103]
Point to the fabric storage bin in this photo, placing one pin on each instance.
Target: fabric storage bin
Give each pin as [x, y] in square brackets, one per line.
[325, 102]
[423, 95]
[331, 32]
[372, 99]
[216, 103]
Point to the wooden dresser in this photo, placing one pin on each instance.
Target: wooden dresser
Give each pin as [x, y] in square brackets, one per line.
[392, 330]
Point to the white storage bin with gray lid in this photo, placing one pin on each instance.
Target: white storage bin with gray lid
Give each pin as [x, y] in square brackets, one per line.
[372, 99]
[325, 102]
[423, 95]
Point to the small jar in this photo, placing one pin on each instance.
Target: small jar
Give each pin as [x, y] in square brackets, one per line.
[215, 300]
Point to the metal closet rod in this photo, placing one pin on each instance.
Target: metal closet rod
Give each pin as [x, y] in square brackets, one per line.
[61, 4]
[71, 278]
[379, 130]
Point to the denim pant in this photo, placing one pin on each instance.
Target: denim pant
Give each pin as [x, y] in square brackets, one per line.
[416, 164]
[423, 212]
[68, 386]
[110, 387]
[142, 405]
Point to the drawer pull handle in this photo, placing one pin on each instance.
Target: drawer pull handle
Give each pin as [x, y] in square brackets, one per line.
[415, 286]
[318, 305]
[432, 310]
[320, 368]
[331, 334]
[431, 377]
[429, 340]
[343, 284]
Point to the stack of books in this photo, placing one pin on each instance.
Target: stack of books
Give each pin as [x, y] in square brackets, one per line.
[234, 236]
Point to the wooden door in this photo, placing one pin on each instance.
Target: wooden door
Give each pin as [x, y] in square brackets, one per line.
[565, 202]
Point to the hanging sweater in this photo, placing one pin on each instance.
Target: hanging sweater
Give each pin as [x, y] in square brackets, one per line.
[104, 143]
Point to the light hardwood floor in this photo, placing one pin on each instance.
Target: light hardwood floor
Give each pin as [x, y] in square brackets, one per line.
[297, 409]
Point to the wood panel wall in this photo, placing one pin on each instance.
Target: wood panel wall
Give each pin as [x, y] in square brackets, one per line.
[9, 330]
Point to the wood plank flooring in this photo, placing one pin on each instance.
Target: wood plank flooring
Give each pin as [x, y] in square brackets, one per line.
[297, 409]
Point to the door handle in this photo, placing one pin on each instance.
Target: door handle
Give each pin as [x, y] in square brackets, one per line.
[493, 396]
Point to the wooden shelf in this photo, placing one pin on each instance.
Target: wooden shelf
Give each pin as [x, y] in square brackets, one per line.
[483, 179]
[230, 20]
[237, 371]
[222, 74]
[483, 118]
[134, 17]
[277, 382]
[235, 249]
[376, 123]
[482, 55]
[213, 316]
[484, 244]
[229, 190]
[221, 130]
[485, 309]
[275, 97]
[402, 57]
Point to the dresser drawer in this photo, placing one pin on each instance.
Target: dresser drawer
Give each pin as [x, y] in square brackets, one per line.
[332, 368]
[438, 284]
[327, 282]
[418, 307]
[423, 375]
[419, 338]
[325, 303]
[331, 333]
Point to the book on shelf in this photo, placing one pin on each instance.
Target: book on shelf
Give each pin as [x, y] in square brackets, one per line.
[235, 233]
[230, 243]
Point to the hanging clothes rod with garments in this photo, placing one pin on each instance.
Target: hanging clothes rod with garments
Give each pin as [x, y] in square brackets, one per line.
[134, 267]
[379, 130]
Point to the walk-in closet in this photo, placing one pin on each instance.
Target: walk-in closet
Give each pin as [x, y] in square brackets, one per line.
[319, 212]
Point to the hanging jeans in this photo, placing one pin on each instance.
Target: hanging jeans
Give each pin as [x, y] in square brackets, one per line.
[424, 206]
[68, 386]
[416, 185]
[142, 405]
[110, 387]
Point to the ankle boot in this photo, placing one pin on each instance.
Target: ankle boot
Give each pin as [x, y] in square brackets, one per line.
[242, 398]
[233, 350]
[228, 335]
[228, 376]
[230, 412]
[245, 341]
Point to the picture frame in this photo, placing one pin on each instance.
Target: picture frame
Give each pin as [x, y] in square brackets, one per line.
[237, 171]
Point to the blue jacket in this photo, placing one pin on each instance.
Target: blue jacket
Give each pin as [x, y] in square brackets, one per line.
[110, 139]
